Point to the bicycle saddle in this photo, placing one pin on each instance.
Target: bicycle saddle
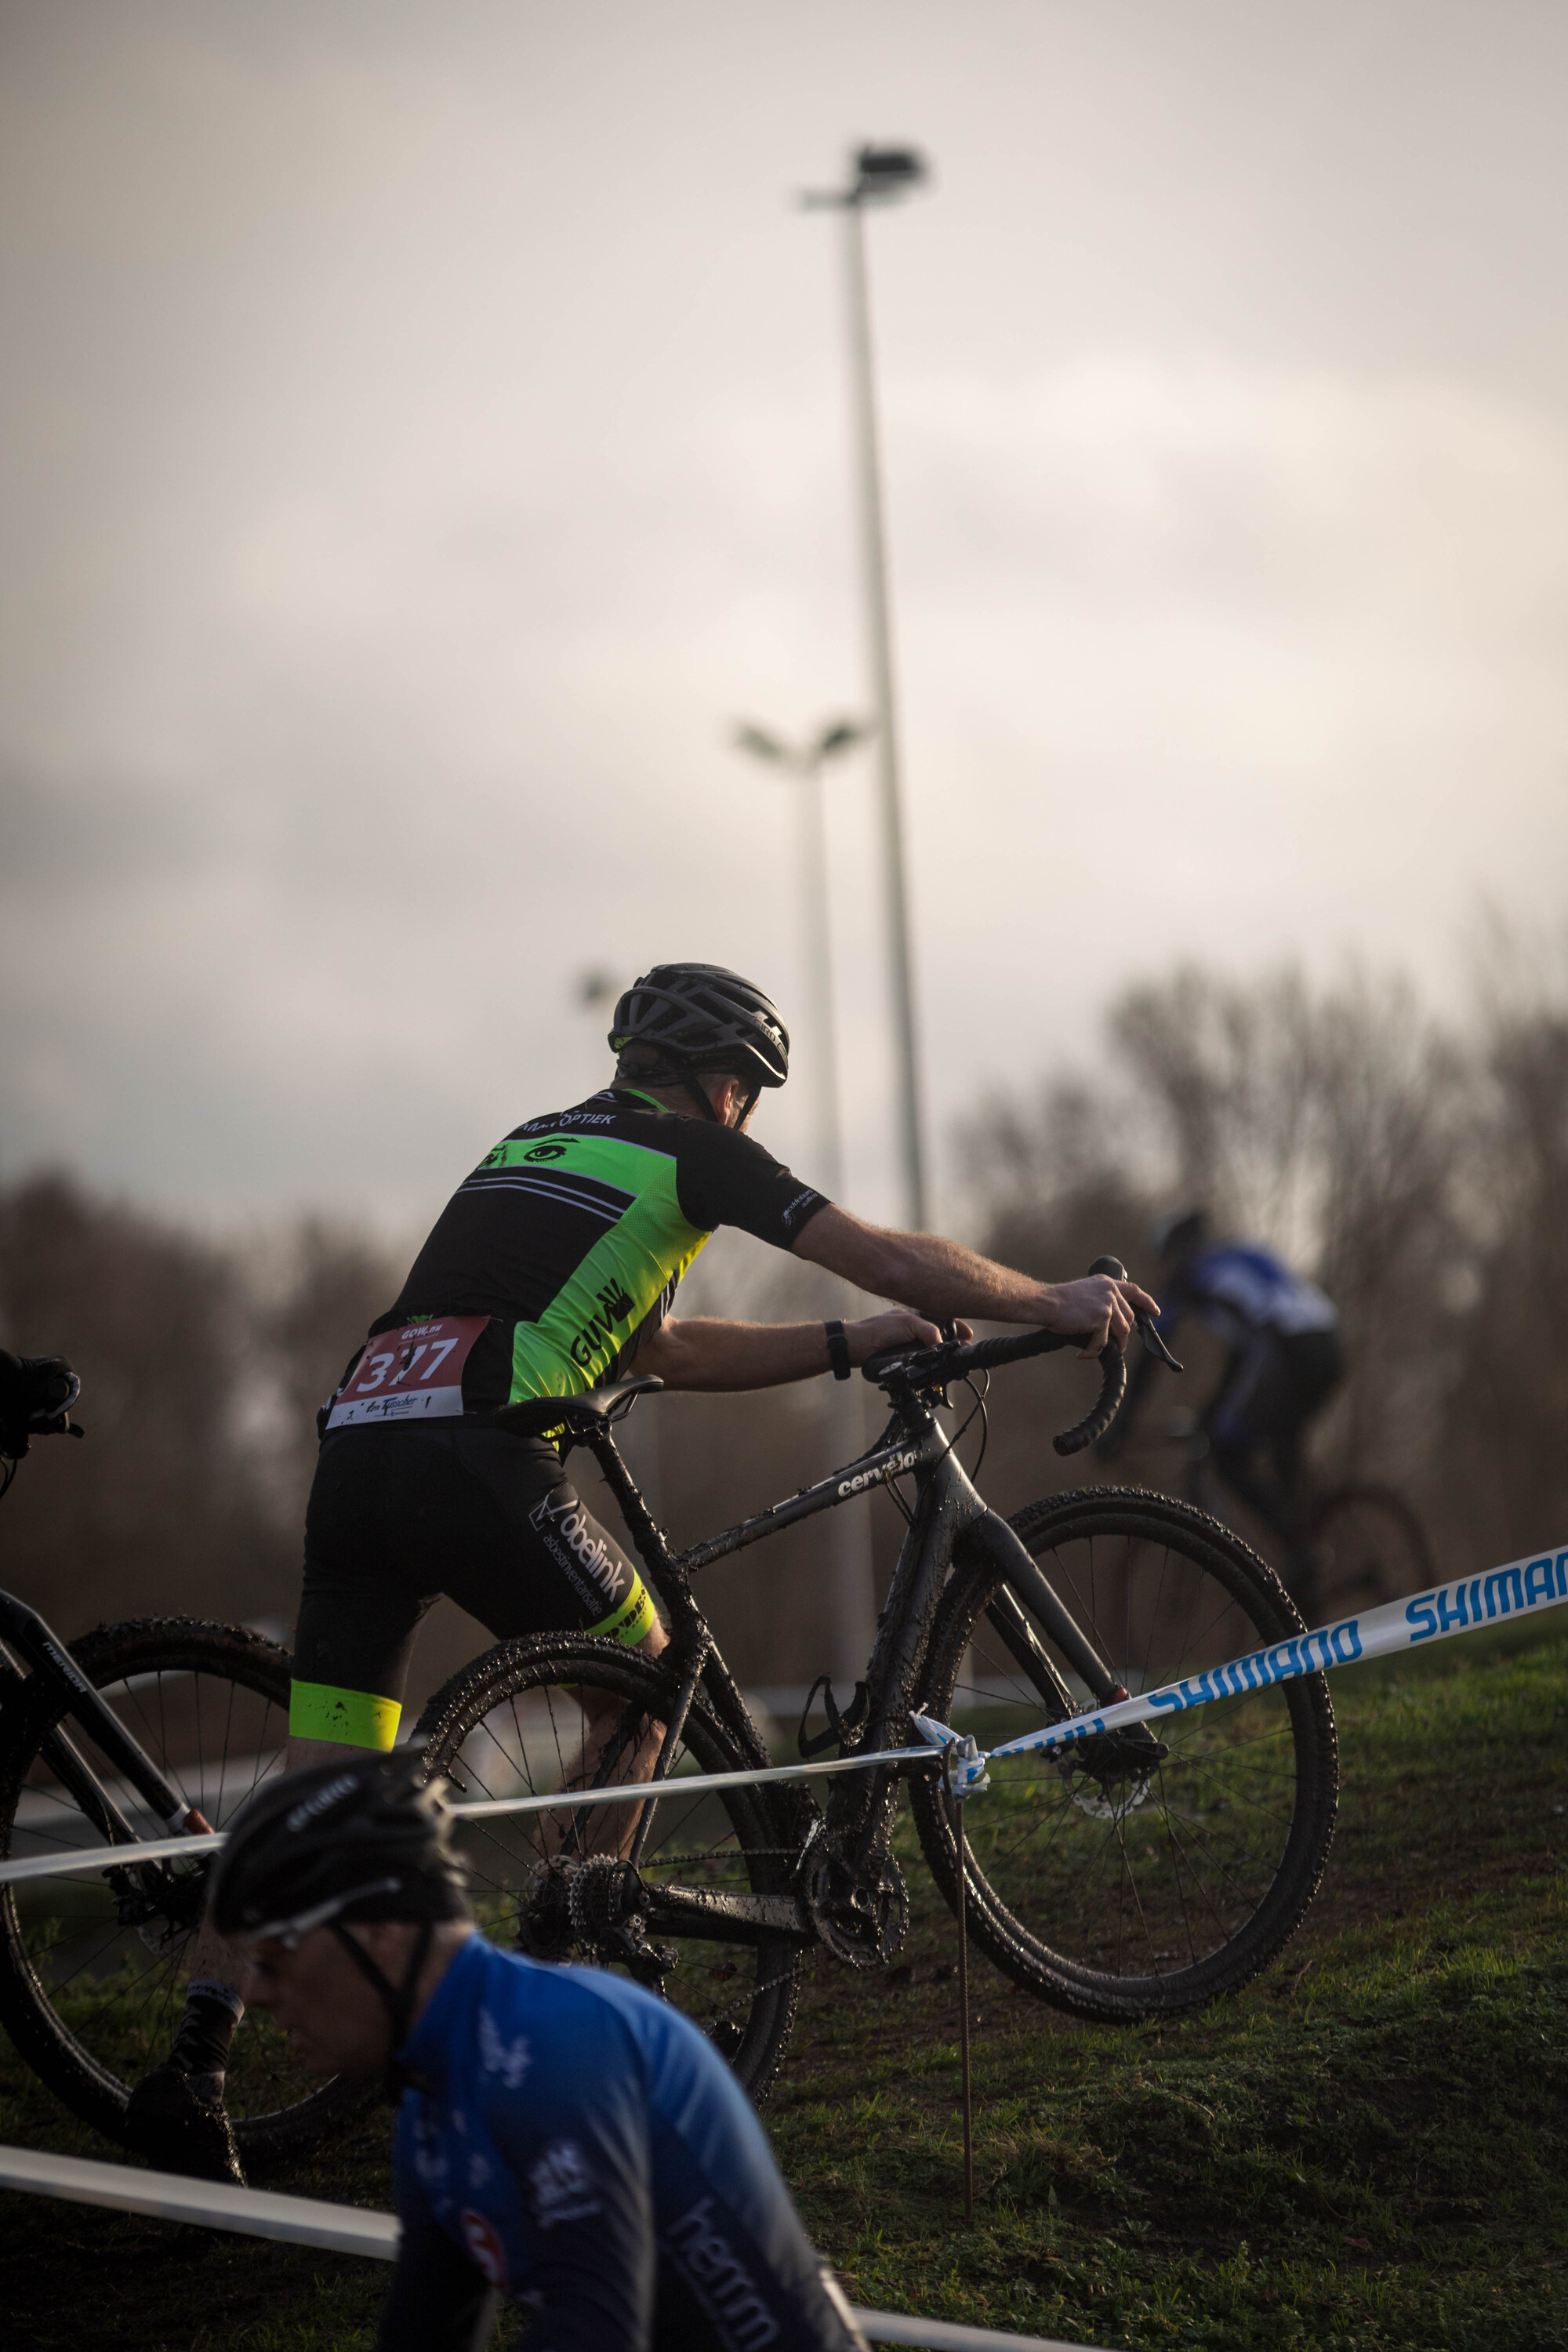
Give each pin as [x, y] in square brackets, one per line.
[597, 1408]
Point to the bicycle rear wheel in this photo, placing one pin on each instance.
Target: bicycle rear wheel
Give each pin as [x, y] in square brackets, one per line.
[93, 1969]
[1368, 1546]
[1144, 1873]
[555, 1883]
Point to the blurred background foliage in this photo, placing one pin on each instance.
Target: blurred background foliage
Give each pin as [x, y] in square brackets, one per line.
[1418, 1171]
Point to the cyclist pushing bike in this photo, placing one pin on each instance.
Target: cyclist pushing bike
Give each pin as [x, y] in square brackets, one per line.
[552, 1272]
[1284, 1361]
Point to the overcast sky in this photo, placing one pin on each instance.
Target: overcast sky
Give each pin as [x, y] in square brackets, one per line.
[423, 432]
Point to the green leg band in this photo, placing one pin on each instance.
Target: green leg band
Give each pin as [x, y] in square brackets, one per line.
[357, 1718]
[633, 1618]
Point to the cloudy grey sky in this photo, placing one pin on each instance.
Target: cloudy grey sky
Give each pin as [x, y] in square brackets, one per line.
[424, 431]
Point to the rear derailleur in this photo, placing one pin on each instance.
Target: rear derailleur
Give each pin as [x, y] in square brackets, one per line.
[591, 1910]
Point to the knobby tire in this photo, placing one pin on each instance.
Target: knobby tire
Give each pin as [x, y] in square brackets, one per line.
[89, 2002]
[1106, 1886]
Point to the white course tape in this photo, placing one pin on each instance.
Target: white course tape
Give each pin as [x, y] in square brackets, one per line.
[691, 1784]
[304, 2221]
[253, 2212]
[1522, 1589]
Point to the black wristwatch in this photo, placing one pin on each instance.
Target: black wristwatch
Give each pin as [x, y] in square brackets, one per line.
[838, 1351]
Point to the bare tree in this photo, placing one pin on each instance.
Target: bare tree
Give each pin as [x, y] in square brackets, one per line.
[1330, 1122]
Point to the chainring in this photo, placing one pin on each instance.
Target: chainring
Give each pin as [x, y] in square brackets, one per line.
[862, 1917]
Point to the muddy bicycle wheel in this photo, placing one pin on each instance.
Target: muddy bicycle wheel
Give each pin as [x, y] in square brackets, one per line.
[707, 1916]
[93, 1969]
[1368, 1546]
[1140, 1874]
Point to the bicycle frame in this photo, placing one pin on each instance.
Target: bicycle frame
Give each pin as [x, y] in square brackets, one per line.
[949, 1517]
[21, 1630]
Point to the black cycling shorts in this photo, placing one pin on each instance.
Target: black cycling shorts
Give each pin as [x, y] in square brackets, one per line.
[1274, 1385]
[399, 1516]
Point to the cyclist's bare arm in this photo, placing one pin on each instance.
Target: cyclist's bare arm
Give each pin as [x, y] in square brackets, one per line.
[943, 1279]
[700, 1351]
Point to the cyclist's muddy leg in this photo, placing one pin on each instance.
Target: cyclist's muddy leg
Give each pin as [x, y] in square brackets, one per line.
[615, 1831]
[216, 1968]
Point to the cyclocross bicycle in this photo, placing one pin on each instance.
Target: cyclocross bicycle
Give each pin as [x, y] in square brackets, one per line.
[1367, 1544]
[135, 1732]
[1138, 1875]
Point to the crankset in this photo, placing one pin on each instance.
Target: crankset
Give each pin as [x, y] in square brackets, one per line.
[1110, 1774]
[594, 1909]
[862, 1916]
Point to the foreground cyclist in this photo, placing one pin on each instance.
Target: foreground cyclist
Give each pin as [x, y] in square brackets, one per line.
[552, 1271]
[564, 2136]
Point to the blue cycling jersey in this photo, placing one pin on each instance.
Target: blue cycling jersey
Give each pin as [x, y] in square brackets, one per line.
[580, 2145]
[1242, 1291]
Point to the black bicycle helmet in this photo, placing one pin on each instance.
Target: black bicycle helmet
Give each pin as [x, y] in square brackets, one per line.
[700, 1015]
[1179, 1231]
[368, 1839]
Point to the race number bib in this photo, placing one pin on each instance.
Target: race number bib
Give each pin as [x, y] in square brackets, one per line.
[414, 1374]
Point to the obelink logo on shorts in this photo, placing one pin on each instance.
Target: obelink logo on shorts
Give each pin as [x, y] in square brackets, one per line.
[569, 1522]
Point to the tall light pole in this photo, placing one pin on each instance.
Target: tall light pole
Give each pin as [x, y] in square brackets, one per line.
[804, 763]
[849, 1529]
[881, 175]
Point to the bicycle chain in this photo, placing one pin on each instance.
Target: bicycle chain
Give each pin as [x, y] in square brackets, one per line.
[754, 1992]
[812, 1958]
[749, 1852]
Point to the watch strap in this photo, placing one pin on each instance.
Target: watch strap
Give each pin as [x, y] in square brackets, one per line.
[838, 1350]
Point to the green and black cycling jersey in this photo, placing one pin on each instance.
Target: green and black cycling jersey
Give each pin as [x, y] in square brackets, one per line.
[561, 1253]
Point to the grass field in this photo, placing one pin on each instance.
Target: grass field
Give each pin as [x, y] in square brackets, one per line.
[1369, 2147]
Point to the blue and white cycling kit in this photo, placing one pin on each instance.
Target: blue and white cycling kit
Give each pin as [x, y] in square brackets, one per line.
[1284, 1360]
[1241, 1291]
[580, 2145]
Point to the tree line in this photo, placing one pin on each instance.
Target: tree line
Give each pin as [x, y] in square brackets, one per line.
[1417, 1170]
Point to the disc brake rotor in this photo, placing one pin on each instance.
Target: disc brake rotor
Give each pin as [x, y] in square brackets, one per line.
[1111, 1775]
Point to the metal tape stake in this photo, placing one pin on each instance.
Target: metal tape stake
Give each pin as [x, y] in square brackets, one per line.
[955, 1815]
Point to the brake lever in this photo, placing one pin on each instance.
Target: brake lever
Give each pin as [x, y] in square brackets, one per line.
[1153, 1345]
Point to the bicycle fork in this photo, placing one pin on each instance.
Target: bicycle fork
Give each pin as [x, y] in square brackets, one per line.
[24, 1631]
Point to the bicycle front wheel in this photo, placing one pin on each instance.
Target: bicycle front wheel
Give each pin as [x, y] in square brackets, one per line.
[93, 1969]
[1368, 1546]
[1142, 1873]
[706, 1915]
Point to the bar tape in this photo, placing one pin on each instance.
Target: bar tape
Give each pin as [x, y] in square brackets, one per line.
[305, 2221]
[1524, 1587]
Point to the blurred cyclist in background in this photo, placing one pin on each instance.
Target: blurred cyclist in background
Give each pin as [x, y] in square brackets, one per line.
[1285, 1360]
